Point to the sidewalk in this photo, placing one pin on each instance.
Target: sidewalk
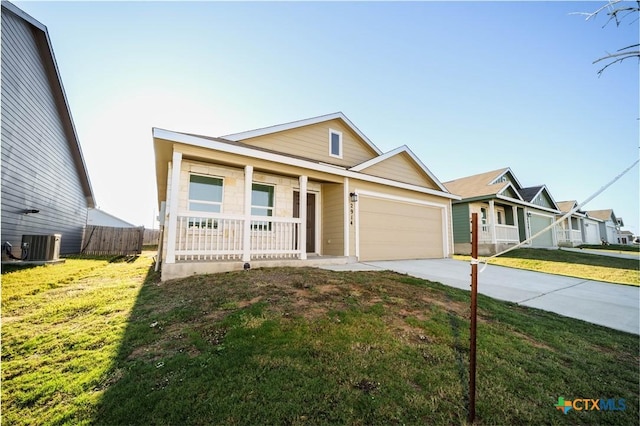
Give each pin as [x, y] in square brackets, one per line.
[610, 305]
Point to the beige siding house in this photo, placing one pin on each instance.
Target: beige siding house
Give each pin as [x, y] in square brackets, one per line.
[301, 193]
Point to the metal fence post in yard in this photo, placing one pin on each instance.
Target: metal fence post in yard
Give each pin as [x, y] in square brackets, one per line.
[474, 313]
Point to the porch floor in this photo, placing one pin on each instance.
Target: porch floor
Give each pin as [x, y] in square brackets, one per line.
[186, 268]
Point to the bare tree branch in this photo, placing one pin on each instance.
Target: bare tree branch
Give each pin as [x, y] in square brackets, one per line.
[617, 12]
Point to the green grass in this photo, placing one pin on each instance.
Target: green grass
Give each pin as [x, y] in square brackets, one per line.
[614, 247]
[570, 263]
[108, 344]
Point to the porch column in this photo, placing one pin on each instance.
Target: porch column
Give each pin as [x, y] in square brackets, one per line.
[303, 217]
[492, 223]
[246, 233]
[174, 196]
[347, 211]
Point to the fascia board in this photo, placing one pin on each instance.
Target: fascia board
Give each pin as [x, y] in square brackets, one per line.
[544, 188]
[397, 151]
[530, 205]
[282, 159]
[513, 175]
[509, 184]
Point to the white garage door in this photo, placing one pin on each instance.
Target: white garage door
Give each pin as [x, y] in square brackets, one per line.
[538, 223]
[592, 234]
[398, 230]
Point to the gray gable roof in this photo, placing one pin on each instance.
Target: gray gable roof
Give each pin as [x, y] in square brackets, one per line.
[528, 194]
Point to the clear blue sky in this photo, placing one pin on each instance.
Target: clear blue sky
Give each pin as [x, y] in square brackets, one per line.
[469, 87]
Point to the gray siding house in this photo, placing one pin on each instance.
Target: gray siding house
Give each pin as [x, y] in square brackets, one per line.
[508, 212]
[45, 185]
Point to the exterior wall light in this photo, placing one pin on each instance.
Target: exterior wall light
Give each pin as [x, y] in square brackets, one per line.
[354, 197]
[30, 211]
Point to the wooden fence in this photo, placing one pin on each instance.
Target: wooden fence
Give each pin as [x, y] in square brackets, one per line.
[107, 240]
[151, 237]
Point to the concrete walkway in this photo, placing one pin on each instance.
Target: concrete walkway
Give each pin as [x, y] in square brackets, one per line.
[611, 305]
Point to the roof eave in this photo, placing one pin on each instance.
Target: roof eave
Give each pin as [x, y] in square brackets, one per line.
[162, 138]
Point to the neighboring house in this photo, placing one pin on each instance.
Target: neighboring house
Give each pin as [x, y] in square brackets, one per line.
[625, 237]
[592, 230]
[508, 212]
[45, 184]
[608, 224]
[97, 217]
[571, 232]
[309, 189]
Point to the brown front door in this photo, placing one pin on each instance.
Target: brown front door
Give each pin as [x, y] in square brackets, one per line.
[311, 218]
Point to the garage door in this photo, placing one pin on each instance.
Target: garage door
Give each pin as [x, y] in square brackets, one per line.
[398, 230]
[592, 236]
[538, 223]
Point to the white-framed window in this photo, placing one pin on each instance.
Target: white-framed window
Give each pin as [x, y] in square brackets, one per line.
[483, 215]
[335, 143]
[262, 200]
[499, 214]
[205, 194]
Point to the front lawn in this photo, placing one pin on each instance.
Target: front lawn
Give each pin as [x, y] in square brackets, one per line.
[93, 342]
[570, 263]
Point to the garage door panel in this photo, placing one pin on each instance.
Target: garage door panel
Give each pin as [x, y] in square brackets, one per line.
[394, 230]
[538, 223]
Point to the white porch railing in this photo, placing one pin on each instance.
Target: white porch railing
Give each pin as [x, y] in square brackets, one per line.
[568, 235]
[274, 237]
[214, 236]
[504, 234]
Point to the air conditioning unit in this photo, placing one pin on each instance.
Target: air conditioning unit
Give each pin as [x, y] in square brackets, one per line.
[41, 247]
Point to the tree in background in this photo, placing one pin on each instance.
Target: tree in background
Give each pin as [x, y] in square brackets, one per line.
[617, 11]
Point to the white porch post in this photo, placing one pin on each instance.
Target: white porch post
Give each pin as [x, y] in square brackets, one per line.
[303, 217]
[492, 215]
[246, 233]
[173, 207]
[347, 212]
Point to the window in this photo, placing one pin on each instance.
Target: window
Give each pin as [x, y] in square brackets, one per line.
[262, 204]
[335, 143]
[499, 213]
[205, 194]
[483, 213]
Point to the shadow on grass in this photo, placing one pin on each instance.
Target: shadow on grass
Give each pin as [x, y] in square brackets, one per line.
[119, 393]
[563, 256]
[8, 268]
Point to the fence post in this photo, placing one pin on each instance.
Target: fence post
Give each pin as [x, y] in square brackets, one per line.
[474, 313]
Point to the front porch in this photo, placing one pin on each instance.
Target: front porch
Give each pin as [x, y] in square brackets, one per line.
[221, 237]
[185, 268]
[568, 233]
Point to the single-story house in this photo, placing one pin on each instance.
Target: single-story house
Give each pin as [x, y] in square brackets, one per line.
[592, 230]
[577, 229]
[294, 194]
[508, 212]
[45, 183]
[608, 223]
[625, 237]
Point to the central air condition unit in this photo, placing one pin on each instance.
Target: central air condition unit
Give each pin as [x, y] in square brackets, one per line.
[41, 247]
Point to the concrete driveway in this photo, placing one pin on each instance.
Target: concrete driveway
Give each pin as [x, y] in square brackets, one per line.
[611, 305]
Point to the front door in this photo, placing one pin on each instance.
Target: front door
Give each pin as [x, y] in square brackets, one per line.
[311, 218]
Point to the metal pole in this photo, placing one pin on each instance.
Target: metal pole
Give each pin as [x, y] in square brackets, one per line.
[474, 303]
